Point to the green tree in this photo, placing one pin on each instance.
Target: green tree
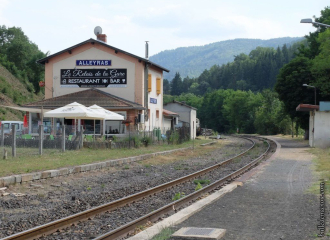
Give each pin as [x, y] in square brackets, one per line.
[290, 90]
[166, 87]
[18, 54]
[270, 117]
[176, 85]
[320, 64]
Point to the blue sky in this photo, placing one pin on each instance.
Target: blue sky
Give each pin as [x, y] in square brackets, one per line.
[56, 25]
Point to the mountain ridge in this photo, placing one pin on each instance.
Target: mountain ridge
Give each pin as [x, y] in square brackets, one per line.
[192, 61]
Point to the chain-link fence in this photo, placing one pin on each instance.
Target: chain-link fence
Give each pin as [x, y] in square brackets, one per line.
[47, 140]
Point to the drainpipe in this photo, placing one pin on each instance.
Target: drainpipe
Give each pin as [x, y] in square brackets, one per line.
[146, 72]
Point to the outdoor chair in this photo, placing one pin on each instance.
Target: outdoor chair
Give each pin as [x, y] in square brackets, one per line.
[51, 137]
[89, 138]
[70, 137]
[27, 136]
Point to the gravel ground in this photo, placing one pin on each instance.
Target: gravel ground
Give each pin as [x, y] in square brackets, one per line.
[105, 222]
[46, 201]
[274, 204]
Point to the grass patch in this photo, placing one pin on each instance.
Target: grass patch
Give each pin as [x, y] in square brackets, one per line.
[202, 181]
[164, 234]
[321, 169]
[199, 151]
[28, 160]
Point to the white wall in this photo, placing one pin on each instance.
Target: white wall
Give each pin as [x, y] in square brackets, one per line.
[187, 114]
[127, 92]
[166, 124]
[153, 121]
[322, 129]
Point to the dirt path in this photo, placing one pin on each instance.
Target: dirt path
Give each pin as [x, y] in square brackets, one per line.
[273, 204]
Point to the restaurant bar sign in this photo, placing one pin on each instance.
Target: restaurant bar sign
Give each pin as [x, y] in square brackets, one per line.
[100, 78]
[93, 62]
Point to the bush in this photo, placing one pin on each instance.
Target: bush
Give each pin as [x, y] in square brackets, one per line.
[146, 141]
[174, 137]
[137, 141]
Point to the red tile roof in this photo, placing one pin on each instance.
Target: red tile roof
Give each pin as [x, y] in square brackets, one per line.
[169, 113]
[87, 97]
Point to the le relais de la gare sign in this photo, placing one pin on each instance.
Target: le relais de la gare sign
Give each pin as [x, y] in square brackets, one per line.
[85, 78]
[93, 77]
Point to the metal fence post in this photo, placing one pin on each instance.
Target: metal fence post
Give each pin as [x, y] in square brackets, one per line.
[63, 138]
[13, 129]
[2, 136]
[41, 138]
[81, 137]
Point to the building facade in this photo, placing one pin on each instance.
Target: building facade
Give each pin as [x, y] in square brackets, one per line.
[121, 82]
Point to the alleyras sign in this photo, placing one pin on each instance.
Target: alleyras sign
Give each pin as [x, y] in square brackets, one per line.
[85, 78]
[93, 62]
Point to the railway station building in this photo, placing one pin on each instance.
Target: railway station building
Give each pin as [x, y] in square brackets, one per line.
[93, 72]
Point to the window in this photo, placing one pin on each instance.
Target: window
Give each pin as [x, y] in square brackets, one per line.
[149, 82]
[158, 85]
[157, 113]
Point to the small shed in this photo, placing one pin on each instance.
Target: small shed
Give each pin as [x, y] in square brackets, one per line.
[319, 123]
[187, 115]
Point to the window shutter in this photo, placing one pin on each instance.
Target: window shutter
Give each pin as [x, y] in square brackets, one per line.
[149, 82]
[158, 86]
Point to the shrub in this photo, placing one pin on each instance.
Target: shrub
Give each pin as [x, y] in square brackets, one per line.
[202, 181]
[174, 137]
[146, 141]
[198, 187]
[137, 141]
[178, 195]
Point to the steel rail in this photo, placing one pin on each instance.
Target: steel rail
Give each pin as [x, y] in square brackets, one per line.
[123, 231]
[53, 226]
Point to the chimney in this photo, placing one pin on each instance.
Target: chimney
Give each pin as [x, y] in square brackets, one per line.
[102, 37]
[147, 50]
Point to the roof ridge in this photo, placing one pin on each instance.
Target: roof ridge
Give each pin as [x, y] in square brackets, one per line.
[91, 40]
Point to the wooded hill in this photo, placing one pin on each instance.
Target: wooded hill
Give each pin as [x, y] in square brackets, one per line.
[192, 61]
[19, 72]
[12, 93]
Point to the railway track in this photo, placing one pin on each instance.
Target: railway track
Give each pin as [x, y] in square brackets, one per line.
[122, 231]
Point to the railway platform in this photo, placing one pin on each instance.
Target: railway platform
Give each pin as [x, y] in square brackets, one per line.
[272, 203]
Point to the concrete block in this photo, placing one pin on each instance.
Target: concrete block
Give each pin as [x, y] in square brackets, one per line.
[76, 169]
[54, 173]
[108, 163]
[85, 168]
[103, 164]
[1, 182]
[18, 179]
[98, 165]
[27, 177]
[199, 233]
[93, 166]
[9, 180]
[63, 171]
[71, 170]
[137, 158]
[45, 174]
[36, 176]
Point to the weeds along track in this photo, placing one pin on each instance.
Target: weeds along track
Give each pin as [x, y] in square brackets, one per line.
[116, 219]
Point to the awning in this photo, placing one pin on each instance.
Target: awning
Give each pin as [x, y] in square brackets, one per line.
[307, 107]
[25, 109]
[168, 113]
